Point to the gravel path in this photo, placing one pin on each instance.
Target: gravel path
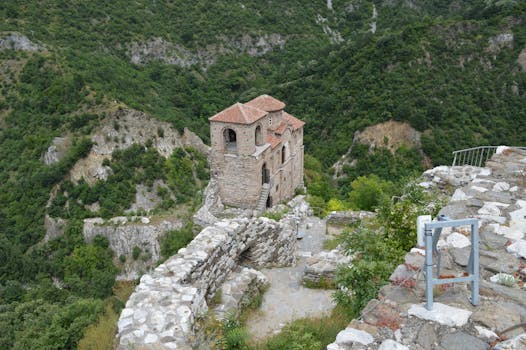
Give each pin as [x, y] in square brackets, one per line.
[286, 299]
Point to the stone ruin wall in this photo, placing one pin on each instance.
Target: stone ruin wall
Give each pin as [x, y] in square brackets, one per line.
[163, 311]
[397, 319]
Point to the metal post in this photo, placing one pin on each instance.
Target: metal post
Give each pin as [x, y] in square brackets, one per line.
[475, 267]
[429, 266]
[432, 234]
[481, 156]
[455, 159]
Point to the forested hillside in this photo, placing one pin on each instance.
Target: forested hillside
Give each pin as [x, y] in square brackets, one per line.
[455, 70]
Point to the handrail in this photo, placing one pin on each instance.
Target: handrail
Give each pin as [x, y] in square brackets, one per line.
[476, 156]
[432, 231]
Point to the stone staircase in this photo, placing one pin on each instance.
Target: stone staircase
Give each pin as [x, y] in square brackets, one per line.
[262, 203]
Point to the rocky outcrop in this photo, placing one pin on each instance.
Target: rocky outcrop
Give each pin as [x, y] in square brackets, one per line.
[391, 135]
[124, 234]
[54, 227]
[206, 214]
[147, 198]
[159, 49]
[334, 36]
[521, 60]
[496, 195]
[499, 42]
[163, 310]
[57, 150]
[124, 128]
[18, 42]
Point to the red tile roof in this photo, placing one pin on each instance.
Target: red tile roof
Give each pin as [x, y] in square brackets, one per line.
[266, 103]
[273, 140]
[292, 120]
[281, 128]
[239, 114]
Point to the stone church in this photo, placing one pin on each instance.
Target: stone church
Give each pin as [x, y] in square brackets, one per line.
[256, 153]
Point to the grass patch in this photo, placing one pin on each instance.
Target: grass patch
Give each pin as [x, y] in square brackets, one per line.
[100, 336]
[332, 243]
[307, 333]
[322, 283]
[275, 215]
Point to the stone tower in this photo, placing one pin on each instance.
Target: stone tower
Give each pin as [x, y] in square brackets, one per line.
[256, 153]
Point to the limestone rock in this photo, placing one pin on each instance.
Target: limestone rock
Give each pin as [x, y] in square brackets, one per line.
[518, 248]
[441, 313]
[517, 343]
[350, 336]
[462, 341]
[389, 344]
[427, 336]
[18, 42]
[457, 240]
[486, 334]
[124, 236]
[348, 217]
[497, 316]
[322, 266]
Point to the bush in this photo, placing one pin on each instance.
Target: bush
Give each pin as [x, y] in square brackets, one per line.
[174, 240]
[368, 192]
[136, 252]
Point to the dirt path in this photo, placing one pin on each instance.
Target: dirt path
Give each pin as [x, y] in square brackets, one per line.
[286, 299]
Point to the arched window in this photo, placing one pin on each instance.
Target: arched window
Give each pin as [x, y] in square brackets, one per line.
[259, 136]
[265, 174]
[230, 139]
[284, 153]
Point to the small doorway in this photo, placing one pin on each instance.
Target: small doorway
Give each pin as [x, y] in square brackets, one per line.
[269, 202]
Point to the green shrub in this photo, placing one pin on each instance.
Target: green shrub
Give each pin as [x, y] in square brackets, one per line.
[174, 240]
[368, 192]
[136, 252]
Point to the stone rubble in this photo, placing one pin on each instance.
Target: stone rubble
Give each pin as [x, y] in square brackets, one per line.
[321, 268]
[496, 195]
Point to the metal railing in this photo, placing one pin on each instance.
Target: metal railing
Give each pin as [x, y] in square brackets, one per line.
[476, 156]
[432, 231]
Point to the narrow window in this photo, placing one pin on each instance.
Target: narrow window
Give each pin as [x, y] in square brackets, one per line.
[230, 139]
[259, 137]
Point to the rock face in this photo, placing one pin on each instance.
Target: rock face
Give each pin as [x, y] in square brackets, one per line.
[57, 150]
[18, 42]
[162, 312]
[521, 60]
[121, 130]
[206, 215]
[125, 234]
[391, 135]
[496, 195]
[159, 49]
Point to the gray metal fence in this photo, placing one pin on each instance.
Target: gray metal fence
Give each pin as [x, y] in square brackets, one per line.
[476, 156]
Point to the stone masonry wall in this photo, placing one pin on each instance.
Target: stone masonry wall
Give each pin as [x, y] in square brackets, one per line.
[162, 311]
